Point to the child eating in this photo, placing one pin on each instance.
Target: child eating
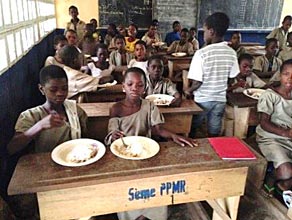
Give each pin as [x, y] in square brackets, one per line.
[156, 84]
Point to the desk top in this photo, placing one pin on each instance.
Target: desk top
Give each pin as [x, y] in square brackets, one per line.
[102, 109]
[38, 173]
[173, 58]
[240, 100]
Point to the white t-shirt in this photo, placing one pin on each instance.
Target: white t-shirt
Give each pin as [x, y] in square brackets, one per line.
[213, 65]
[141, 64]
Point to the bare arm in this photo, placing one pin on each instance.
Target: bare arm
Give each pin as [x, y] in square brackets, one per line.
[194, 86]
[177, 100]
[182, 141]
[21, 140]
[267, 125]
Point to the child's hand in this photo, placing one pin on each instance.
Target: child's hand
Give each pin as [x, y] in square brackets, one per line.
[242, 83]
[175, 102]
[183, 141]
[117, 134]
[187, 94]
[52, 120]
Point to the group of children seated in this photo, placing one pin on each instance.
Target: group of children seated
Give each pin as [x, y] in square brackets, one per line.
[215, 69]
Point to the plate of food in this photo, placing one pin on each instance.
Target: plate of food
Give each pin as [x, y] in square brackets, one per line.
[108, 84]
[159, 44]
[179, 54]
[78, 152]
[135, 148]
[160, 99]
[253, 93]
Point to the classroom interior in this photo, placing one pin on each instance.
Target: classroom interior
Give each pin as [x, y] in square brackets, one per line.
[19, 92]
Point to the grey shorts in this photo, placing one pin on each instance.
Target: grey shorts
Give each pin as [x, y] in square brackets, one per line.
[278, 151]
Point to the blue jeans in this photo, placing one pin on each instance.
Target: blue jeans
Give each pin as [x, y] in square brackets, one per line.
[213, 112]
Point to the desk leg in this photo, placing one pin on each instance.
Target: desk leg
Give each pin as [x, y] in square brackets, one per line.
[241, 116]
[225, 209]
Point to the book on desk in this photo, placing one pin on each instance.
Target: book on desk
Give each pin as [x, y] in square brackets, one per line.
[231, 148]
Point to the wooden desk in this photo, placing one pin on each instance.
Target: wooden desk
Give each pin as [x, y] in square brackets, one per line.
[175, 175]
[255, 50]
[242, 107]
[177, 64]
[177, 119]
[109, 94]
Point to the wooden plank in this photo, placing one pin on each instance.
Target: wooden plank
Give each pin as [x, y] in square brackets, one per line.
[141, 193]
[171, 159]
[241, 116]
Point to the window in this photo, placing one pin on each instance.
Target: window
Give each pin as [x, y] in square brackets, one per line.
[23, 23]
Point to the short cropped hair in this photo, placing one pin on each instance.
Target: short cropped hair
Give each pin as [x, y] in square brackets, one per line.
[285, 63]
[68, 54]
[52, 72]
[184, 30]
[100, 46]
[219, 22]
[287, 17]
[245, 56]
[59, 38]
[154, 57]
[73, 7]
[70, 30]
[175, 23]
[119, 36]
[141, 42]
[135, 26]
[135, 70]
[271, 40]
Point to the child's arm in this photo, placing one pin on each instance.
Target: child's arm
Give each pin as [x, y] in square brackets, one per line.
[240, 83]
[177, 100]
[22, 139]
[194, 86]
[182, 141]
[114, 127]
[267, 125]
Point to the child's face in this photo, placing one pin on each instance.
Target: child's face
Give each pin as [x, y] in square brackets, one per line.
[120, 44]
[72, 38]
[272, 48]
[132, 31]
[286, 25]
[73, 13]
[177, 28]
[184, 36]
[94, 23]
[245, 67]
[55, 90]
[101, 54]
[134, 85]
[61, 44]
[140, 52]
[152, 31]
[236, 39]
[155, 69]
[286, 77]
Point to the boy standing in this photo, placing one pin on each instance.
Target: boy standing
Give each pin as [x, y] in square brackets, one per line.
[281, 33]
[75, 23]
[210, 69]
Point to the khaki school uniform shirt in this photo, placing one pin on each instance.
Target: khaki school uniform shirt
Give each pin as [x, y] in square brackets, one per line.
[79, 28]
[48, 139]
[261, 63]
[176, 47]
[280, 35]
[137, 124]
[285, 54]
[164, 86]
[253, 81]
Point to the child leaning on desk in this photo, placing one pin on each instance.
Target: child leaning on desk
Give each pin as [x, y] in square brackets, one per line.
[45, 126]
[182, 45]
[245, 79]
[274, 133]
[139, 117]
[210, 69]
[157, 84]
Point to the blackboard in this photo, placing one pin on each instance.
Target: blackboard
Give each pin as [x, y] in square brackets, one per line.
[245, 14]
[125, 12]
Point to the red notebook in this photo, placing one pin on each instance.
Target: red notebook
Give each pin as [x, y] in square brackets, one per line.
[231, 148]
